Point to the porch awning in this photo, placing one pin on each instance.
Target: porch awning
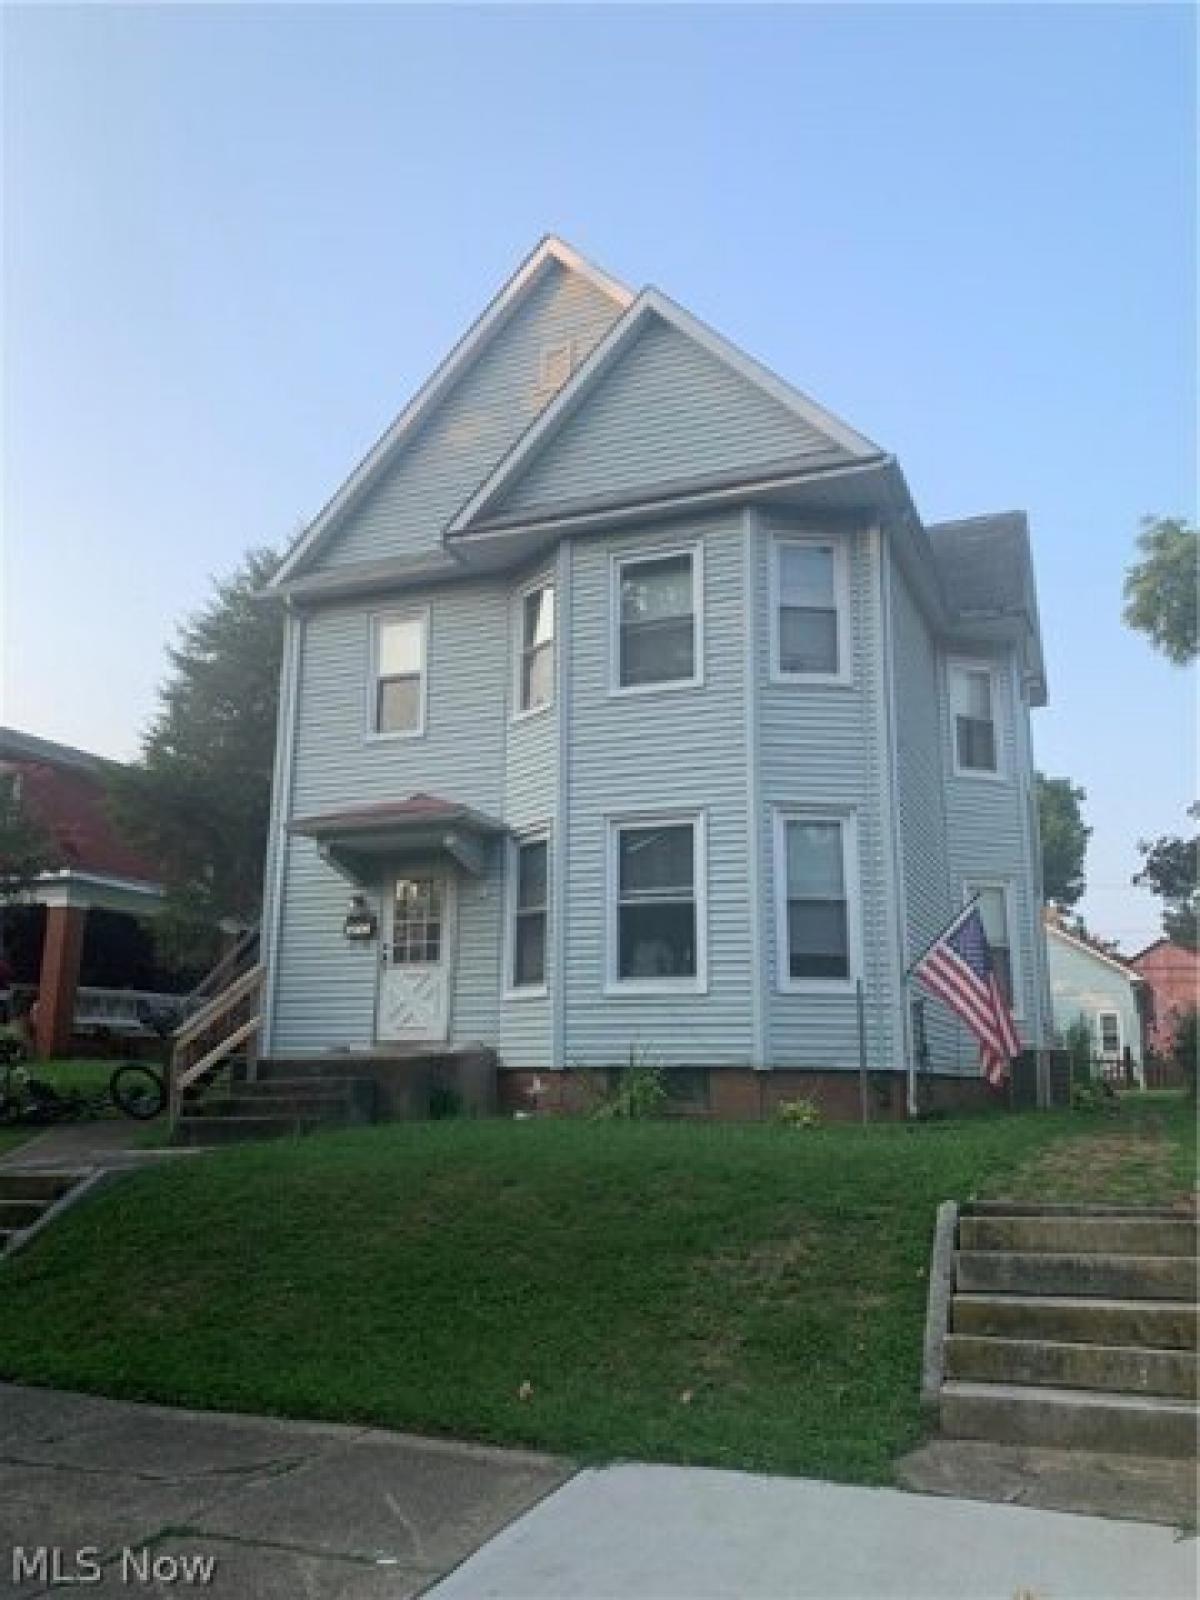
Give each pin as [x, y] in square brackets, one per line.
[355, 841]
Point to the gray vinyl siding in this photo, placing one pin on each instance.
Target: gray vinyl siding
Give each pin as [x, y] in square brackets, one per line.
[526, 1036]
[823, 747]
[921, 766]
[987, 832]
[476, 424]
[665, 751]
[665, 411]
[325, 985]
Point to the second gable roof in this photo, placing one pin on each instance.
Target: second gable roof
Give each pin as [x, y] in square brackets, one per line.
[661, 400]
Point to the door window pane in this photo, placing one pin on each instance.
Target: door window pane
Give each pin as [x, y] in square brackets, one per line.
[657, 621]
[417, 922]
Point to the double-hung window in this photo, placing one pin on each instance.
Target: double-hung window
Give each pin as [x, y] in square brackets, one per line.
[397, 699]
[656, 912]
[973, 706]
[816, 885]
[1109, 1029]
[994, 913]
[535, 665]
[656, 608]
[530, 901]
[810, 611]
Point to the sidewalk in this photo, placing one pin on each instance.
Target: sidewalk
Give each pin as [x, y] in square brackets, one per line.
[328, 1512]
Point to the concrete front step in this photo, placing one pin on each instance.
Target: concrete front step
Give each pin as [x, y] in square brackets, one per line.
[15, 1214]
[1069, 1418]
[1023, 1208]
[329, 1107]
[191, 1130]
[1080, 1235]
[1113, 1369]
[1078, 1319]
[1122, 1277]
[20, 1183]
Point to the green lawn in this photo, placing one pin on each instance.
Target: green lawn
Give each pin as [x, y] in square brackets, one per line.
[745, 1296]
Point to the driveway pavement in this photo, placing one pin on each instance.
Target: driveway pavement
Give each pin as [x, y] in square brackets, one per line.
[307, 1511]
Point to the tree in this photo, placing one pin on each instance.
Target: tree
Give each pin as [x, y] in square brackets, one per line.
[1169, 870]
[1161, 589]
[198, 801]
[26, 849]
[1064, 839]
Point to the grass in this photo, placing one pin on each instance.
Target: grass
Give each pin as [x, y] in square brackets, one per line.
[742, 1296]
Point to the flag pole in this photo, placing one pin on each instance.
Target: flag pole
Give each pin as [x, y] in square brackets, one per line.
[944, 934]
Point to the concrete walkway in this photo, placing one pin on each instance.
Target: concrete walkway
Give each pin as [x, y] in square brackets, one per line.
[77, 1146]
[306, 1511]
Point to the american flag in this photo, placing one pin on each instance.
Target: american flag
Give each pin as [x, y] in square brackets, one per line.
[959, 969]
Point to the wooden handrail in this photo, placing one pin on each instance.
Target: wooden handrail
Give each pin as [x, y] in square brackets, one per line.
[218, 1052]
[218, 1005]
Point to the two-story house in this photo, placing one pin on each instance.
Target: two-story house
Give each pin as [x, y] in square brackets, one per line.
[629, 706]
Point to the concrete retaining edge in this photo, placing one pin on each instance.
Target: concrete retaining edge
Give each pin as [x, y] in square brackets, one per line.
[937, 1311]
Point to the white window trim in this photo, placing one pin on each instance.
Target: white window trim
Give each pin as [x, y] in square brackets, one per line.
[970, 888]
[1109, 1011]
[374, 622]
[968, 664]
[698, 821]
[627, 558]
[525, 991]
[844, 676]
[847, 820]
[519, 714]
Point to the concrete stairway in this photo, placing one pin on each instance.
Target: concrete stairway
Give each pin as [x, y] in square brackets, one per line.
[1074, 1327]
[26, 1196]
[273, 1108]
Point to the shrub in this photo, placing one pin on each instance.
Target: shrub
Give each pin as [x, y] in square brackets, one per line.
[638, 1089]
[802, 1112]
[1094, 1094]
[1185, 1043]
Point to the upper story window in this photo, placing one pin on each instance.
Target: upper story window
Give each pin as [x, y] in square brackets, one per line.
[815, 878]
[973, 707]
[995, 912]
[535, 667]
[656, 903]
[530, 907]
[397, 697]
[656, 607]
[809, 611]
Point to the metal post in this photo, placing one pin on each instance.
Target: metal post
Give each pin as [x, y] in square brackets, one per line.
[862, 1051]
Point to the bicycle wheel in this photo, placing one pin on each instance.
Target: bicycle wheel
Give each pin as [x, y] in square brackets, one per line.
[137, 1091]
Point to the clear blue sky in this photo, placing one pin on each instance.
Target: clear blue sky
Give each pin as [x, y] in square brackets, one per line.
[237, 239]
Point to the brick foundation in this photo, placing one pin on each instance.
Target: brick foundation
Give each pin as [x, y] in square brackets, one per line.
[739, 1094]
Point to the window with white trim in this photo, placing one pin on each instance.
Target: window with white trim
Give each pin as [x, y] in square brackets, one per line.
[656, 884]
[657, 607]
[810, 611]
[1109, 1029]
[530, 907]
[995, 912]
[535, 666]
[398, 674]
[814, 878]
[972, 703]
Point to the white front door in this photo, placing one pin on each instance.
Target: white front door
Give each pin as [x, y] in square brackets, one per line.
[414, 982]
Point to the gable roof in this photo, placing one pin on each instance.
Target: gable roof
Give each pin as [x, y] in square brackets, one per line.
[986, 570]
[826, 440]
[550, 251]
[1109, 957]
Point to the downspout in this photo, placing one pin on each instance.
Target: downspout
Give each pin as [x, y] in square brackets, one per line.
[759, 1047]
[891, 819]
[281, 810]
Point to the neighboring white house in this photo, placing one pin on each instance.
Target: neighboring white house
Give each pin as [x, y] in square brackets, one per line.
[629, 705]
[1100, 987]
